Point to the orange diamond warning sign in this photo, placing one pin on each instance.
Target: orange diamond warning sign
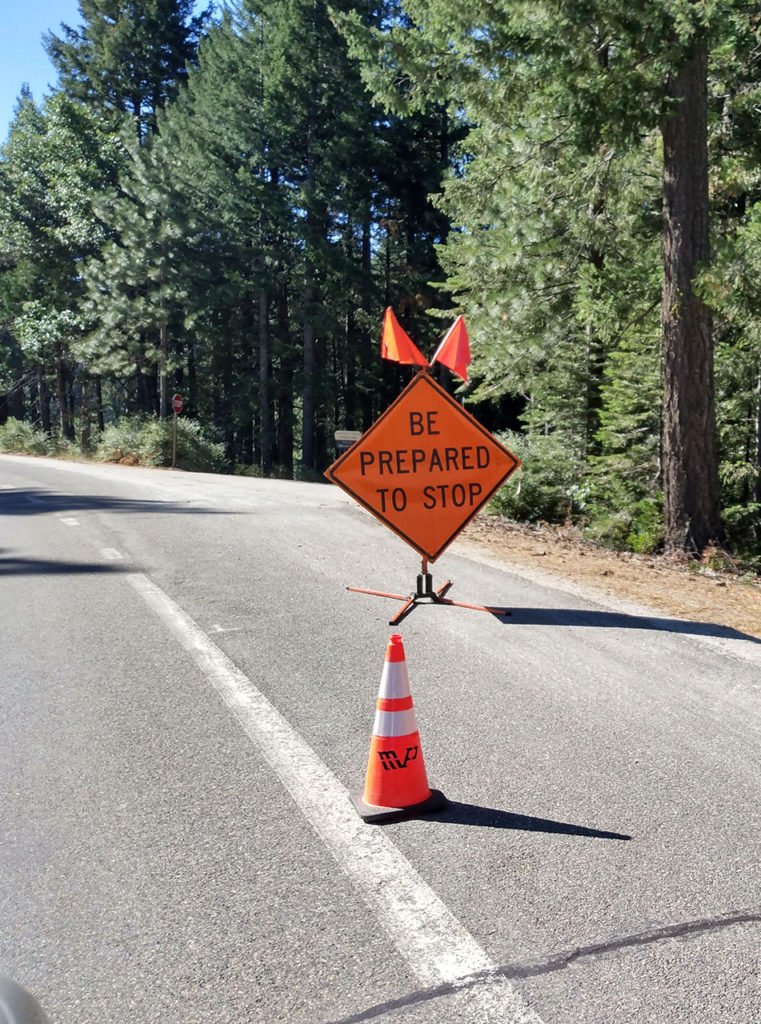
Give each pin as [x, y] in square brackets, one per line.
[425, 467]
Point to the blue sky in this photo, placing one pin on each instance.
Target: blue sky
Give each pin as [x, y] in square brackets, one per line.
[22, 57]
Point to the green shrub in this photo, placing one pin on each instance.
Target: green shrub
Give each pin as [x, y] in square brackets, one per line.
[742, 525]
[20, 438]
[545, 488]
[120, 441]
[638, 526]
[146, 441]
[62, 448]
[648, 527]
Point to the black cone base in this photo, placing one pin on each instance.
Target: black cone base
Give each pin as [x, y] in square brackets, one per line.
[377, 815]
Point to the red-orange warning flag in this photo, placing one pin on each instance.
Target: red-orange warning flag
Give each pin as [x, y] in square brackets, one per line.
[397, 345]
[454, 350]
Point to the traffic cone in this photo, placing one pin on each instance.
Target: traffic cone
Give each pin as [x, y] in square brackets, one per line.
[396, 785]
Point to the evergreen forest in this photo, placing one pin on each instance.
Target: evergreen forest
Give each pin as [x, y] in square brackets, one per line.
[224, 203]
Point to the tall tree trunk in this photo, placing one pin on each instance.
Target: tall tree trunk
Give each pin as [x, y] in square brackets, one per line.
[146, 392]
[595, 353]
[347, 398]
[163, 337]
[348, 353]
[163, 378]
[308, 403]
[265, 389]
[85, 433]
[690, 466]
[757, 441]
[43, 401]
[14, 398]
[227, 374]
[366, 354]
[64, 418]
[15, 402]
[99, 404]
[192, 380]
[285, 386]
[309, 363]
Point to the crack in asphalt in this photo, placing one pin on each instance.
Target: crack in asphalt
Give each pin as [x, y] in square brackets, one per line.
[672, 931]
[558, 962]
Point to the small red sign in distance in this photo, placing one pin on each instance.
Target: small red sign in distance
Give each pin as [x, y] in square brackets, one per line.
[177, 403]
[425, 467]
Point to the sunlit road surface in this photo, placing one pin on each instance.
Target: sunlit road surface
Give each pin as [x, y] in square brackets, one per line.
[188, 693]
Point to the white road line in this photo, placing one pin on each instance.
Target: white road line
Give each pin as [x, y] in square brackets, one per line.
[69, 520]
[112, 555]
[437, 947]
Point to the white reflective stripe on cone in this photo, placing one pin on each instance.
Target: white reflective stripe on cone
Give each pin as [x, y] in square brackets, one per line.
[395, 682]
[395, 723]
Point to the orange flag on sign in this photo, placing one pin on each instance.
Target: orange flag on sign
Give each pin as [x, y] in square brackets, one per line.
[397, 345]
[454, 350]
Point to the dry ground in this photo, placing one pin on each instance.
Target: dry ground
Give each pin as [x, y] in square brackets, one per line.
[715, 591]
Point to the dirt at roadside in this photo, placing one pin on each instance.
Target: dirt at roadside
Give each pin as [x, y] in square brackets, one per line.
[699, 592]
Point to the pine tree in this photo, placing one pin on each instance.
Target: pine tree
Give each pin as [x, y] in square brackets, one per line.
[230, 167]
[121, 66]
[315, 206]
[137, 285]
[592, 81]
[127, 56]
[54, 162]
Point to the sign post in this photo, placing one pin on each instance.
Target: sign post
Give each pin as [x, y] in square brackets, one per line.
[424, 468]
[177, 405]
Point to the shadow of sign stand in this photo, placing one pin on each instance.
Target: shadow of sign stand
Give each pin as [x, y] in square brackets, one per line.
[425, 468]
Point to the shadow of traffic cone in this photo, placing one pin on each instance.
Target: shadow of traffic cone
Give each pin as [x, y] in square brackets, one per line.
[396, 785]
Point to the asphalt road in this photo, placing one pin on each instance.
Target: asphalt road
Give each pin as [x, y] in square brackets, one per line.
[187, 697]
